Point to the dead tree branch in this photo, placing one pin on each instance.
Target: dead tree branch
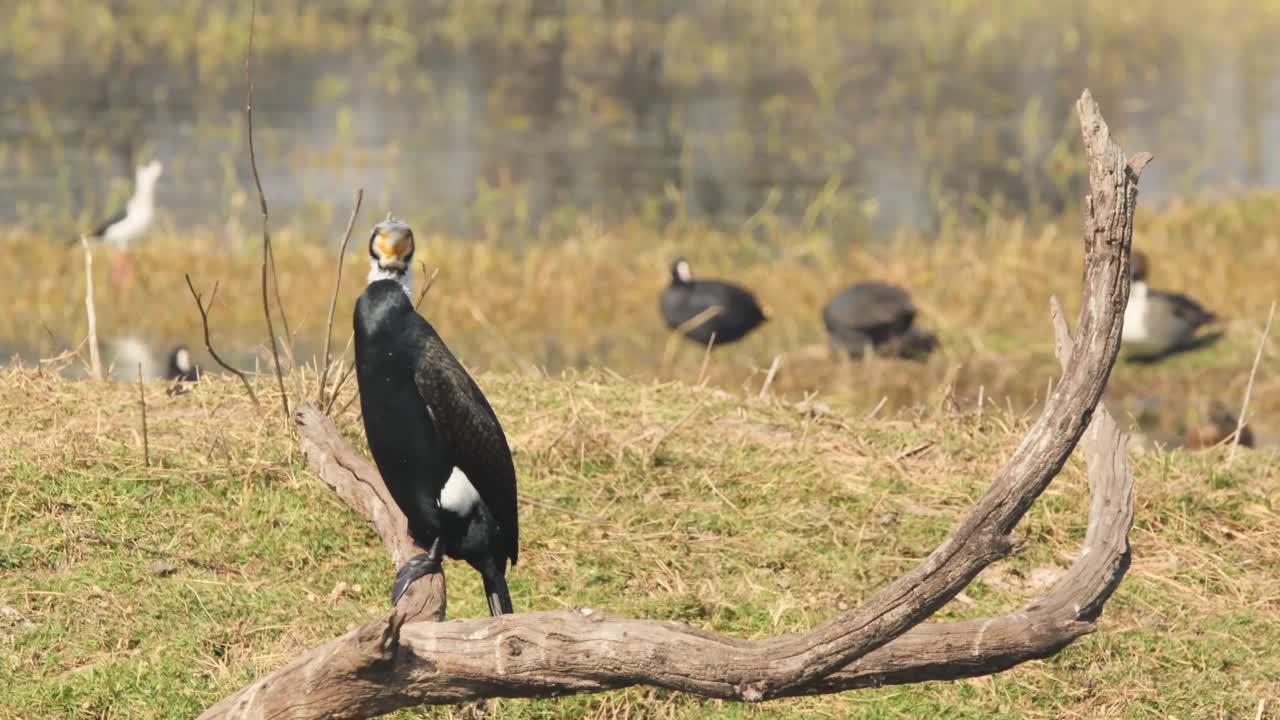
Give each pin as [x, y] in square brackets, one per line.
[268, 258]
[208, 344]
[388, 663]
[333, 301]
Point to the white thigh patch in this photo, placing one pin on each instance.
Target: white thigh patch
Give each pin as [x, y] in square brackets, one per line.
[458, 496]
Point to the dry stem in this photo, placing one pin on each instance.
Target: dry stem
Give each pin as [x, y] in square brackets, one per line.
[267, 256]
[208, 343]
[1248, 389]
[333, 301]
[95, 359]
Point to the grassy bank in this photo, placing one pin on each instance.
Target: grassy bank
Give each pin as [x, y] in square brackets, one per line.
[589, 299]
[150, 592]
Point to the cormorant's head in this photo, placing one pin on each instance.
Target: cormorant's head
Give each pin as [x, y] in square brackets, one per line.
[146, 175]
[681, 274]
[391, 252]
[1137, 266]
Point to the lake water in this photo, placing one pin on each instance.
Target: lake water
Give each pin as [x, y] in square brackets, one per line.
[649, 125]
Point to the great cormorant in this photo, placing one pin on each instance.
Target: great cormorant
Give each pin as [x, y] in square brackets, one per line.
[1157, 323]
[736, 310]
[433, 435]
[875, 317]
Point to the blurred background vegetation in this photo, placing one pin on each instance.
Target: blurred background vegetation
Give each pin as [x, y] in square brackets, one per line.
[497, 117]
[555, 155]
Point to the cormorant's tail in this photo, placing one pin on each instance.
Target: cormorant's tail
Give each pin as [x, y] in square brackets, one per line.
[495, 589]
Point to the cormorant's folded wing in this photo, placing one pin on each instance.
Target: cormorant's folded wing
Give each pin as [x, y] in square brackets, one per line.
[469, 426]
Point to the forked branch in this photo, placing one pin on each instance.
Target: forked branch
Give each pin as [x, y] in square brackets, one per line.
[208, 343]
[388, 663]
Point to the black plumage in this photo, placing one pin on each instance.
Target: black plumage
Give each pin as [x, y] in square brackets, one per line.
[181, 368]
[736, 310]
[434, 437]
[876, 316]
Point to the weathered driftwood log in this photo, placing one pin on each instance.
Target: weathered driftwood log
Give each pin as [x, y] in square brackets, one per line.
[388, 663]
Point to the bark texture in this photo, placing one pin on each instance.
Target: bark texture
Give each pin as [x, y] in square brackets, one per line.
[389, 663]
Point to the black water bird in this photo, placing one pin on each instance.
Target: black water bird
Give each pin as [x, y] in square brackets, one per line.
[181, 368]
[875, 317]
[728, 311]
[433, 435]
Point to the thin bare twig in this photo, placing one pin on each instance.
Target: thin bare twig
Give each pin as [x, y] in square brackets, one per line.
[768, 379]
[142, 401]
[673, 337]
[337, 388]
[876, 410]
[342, 379]
[347, 405]
[706, 359]
[333, 301]
[267, 258]
[53, 340]
[1248, 389]
[208, 344]
[95, 359]
[275, 286]
[427, 287]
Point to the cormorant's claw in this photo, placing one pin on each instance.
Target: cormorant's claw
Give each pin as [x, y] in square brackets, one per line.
[417, 566]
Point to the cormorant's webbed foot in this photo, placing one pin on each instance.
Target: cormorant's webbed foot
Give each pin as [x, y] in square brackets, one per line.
[417, 566]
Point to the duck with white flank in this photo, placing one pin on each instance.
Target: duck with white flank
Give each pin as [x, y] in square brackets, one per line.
[875, 317]
[434, 438]
[132, 223]
[728, 311]
[1159, 323]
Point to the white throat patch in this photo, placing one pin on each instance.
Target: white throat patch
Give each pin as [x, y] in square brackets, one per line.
[405, 279]
[458, 495]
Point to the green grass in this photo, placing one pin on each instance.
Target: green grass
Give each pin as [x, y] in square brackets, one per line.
[752, 517]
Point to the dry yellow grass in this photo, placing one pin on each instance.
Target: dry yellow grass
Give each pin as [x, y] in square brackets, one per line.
[590, 300]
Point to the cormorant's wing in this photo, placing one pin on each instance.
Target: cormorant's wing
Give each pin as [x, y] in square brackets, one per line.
[469, 426]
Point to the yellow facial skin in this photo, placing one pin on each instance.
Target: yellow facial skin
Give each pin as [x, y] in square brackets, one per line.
[393, 249]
